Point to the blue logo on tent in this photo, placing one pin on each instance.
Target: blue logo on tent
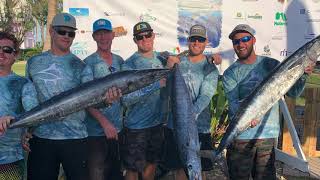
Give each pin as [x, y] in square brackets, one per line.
[79, 11]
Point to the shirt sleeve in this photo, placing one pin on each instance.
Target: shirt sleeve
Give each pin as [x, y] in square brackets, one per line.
[232, 92]
[29, 96]
[207, 90]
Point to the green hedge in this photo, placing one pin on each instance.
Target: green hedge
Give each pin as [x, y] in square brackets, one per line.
[25, 54]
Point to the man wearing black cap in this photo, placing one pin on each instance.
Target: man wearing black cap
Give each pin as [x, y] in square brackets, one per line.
[143, 132]
[252, 153]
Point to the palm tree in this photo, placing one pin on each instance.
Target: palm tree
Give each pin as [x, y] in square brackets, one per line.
[52, 11]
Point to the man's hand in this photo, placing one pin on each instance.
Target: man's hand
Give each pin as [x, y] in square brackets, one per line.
[163, 82]
[109, 130]
[113, 94]
[4, 123]
[216, 59]
[254, 123]
[172, 60]
[25, 141]
[308, 70]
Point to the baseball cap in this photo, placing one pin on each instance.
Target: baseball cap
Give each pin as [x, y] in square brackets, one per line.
[198, 30]
[141, 27]
[242, 28]
[64, 19]
[102, 24]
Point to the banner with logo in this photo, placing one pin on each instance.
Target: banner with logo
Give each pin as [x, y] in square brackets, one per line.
[281, 26]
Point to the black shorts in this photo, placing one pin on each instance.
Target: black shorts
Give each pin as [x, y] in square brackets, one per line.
[171, 157]
[46, 156]
[205, 141]
[104, 158]
[140, 146]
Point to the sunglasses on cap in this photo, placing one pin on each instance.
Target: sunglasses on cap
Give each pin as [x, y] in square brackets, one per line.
[243, 39]
[197, 38]
[61, 32]
[7, 49]
[140, 37]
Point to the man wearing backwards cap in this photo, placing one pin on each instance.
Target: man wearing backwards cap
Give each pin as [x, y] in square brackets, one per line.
[103, 124]
[201, 77]
[51, 73]
[252, 153]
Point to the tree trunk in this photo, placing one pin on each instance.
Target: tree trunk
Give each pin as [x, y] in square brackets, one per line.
[52, 11]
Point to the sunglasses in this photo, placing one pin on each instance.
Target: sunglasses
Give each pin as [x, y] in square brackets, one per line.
[7, 49]
[61, 32]
[197, 38]
[243, 39]
[140, 37]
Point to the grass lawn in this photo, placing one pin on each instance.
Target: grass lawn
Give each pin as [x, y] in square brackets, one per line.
[19, 68]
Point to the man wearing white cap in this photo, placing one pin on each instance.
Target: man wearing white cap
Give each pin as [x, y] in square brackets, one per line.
[62, 142]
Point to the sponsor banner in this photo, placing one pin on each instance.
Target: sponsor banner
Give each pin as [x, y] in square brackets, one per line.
[281, 26]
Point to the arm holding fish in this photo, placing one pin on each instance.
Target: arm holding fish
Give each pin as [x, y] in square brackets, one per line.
[111, 95]
[215, 58]
[29, 101]
[231, 89]
[109, 130]
[299, 86]
[172, 60]
[4, 123]
[207, 90]
[140, 94]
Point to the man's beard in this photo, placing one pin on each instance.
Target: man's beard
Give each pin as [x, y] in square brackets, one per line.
[244, 57]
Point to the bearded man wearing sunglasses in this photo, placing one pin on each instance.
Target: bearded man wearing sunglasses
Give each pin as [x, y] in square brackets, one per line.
[252, 153]
[11, 85]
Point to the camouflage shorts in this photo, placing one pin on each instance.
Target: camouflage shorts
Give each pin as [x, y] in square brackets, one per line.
[254, 158]
[141, 146]
[12, 171]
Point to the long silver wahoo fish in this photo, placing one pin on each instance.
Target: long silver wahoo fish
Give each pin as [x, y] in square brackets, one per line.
[185, 127]
[271, 89]
[86, 95]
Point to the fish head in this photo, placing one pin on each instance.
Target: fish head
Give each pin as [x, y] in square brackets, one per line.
[313, 49]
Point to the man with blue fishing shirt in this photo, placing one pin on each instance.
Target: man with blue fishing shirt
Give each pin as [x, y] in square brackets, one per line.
[51, 73]
[103, 124]
[143, 135]
[11, 153]
[201, 77]
[252, 152]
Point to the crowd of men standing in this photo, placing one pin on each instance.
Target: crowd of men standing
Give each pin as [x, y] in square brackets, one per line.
[134, 132]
